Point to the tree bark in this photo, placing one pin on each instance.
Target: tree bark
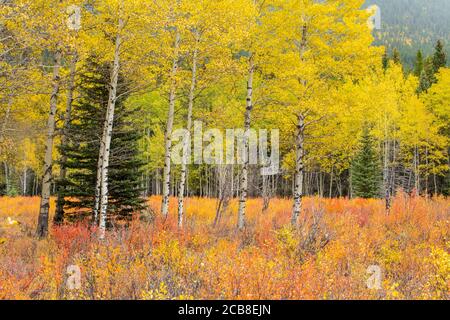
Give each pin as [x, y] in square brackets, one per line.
[5, 121]
[7, 185]
[106, 139]
[426, 172]
[2, 135]
[181, 190]
[267, 193]
[300, 151]
[59, 214]
[42, 226]
[387, 189]
[24, 191]
[416, 170]
[247, 124]
[169, 128]
[98, 183]
[224, 191]
[299, 170]
[330, 193]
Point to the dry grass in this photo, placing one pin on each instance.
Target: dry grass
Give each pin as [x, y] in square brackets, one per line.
[326, 258]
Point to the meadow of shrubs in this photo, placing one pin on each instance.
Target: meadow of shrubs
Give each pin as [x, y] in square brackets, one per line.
[328, 257]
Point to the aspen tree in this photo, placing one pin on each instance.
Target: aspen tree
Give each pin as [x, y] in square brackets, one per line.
[186, 147]
[126, 17]
[169, 127]
[255, 43]
[322, 45]
[52, 37]
[107, 134]
[211, 28]
[42, 227]
[173, 33]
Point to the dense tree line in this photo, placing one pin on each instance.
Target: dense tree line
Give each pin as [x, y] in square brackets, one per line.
[93, 122]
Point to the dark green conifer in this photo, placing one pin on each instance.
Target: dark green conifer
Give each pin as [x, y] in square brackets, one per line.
[366, 170]
[439, 57]
[84, 134]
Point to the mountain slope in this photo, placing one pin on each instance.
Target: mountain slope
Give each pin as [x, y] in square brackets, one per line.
[410, 25]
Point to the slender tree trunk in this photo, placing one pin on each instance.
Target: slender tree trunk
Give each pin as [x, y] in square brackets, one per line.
[247, 123]
[224, 191]
[339, 185]
[98, 183]
[59, 214]
[299, 170]
[300, 151]
[147, 173]
[330, 193]
[42, 226]
[5, 121]
[267, 193]
[416, 170]
[33, 191]
[386, 181]
[393, 186]
[106, 139]
[435, 184]
[2, 135]
[350, 192]
[24, 191]
[5, 165]
[181, 191]
[426, 172]
[169, 128]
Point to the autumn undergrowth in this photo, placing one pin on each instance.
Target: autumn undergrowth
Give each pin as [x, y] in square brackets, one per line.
[327, 257]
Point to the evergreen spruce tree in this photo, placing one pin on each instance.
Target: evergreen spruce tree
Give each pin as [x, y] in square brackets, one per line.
[429, 71]
[439, 57]
[430, 67]
[125, 172]
[396, 57]
[424, 82]
[82, 151]
[418, 68]
[366, 172]
[385, 61]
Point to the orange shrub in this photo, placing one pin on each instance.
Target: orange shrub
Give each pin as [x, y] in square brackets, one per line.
[326, 258]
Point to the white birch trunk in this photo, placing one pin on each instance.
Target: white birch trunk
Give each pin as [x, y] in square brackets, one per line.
[98, 183]
[247, 124]
[299, 171]
[300, 151]
[181, 190]
[169, 128]
[106, 139]
[42, 226]
[5, 165]
[2, 135]
[24, 191]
